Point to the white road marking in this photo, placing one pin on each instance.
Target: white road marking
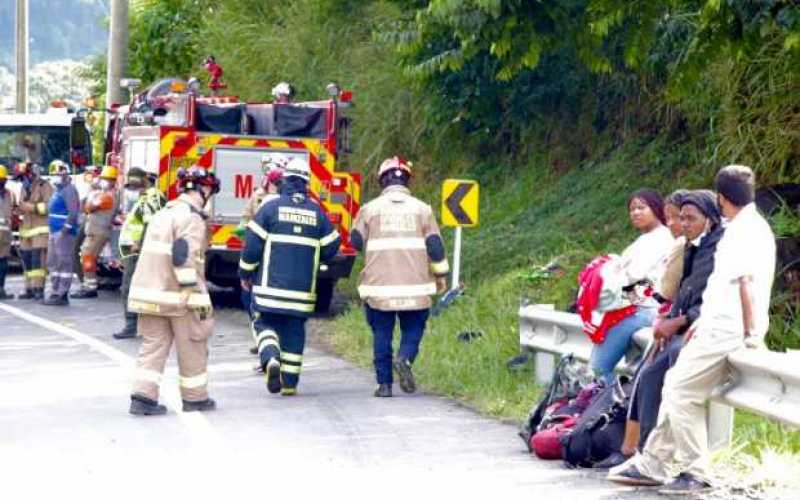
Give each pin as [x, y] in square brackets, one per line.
[194, 421]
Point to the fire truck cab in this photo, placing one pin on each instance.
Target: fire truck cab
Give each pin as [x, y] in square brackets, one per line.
[170, 125]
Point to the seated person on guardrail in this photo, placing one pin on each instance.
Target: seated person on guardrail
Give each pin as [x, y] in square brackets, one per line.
[734, 314]
[644, 259]
[701, 230]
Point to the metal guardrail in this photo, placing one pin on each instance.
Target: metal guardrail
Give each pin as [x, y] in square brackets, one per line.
[763, 382]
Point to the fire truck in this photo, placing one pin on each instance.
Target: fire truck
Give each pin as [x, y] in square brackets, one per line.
[171, 125]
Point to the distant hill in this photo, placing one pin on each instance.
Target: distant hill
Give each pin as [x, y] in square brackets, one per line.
[59, 29]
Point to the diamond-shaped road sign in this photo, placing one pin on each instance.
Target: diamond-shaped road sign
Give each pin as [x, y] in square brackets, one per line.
[460, 203]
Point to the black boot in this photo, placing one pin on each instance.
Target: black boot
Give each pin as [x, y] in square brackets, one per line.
[205, 405]
[84, 293]
[56, 300]
[141, 405]
[383, 391]
[403, 368]
[272, 375]
[125, 333]
[28, 294]
[38, 294]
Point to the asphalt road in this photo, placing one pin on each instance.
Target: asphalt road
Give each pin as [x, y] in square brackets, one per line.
[64, 426]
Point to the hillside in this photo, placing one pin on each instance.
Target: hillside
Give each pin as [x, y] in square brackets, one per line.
[560, 113]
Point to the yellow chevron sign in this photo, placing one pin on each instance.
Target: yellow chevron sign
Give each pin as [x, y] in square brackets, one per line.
[460, 201]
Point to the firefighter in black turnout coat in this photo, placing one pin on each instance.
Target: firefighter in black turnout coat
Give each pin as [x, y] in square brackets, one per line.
[284, 245]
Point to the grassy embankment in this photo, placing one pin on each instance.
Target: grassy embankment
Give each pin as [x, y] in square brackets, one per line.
[528, 219]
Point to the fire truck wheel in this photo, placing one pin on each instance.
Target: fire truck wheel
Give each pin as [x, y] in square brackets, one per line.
[324, 295]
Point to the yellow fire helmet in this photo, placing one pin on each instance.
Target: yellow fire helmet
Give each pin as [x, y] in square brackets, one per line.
[109, 173]
[3, 172]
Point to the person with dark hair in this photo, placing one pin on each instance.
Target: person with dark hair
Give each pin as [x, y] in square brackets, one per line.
[644, 260]
[701, 230]
[674, 268]
[734, 314]
[405, 265]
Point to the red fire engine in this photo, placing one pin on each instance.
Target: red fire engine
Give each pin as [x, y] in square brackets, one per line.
[170, 125]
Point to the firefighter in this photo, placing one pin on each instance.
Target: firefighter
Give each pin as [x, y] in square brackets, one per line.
[100, 208]
[7, 204]
[284, 245]
[62, 215]
[149, 202]
[91, 177]
[270, 185]
[169, 293]
[405, 265]
[283, 93]
[33, 230]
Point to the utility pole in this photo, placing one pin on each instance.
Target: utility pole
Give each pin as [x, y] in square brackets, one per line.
[22, 56]
[117, 51]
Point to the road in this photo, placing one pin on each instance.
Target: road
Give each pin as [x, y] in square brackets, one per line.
[64, 426]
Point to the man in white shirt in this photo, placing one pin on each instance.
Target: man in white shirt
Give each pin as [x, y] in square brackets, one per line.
[734, 314]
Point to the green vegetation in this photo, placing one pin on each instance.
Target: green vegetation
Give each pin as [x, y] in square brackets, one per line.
[560, 109]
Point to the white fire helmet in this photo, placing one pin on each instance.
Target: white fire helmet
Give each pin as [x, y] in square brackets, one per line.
[297, 167]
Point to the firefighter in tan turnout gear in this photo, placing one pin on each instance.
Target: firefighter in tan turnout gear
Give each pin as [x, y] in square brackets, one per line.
[34, 229]
[405, 265]
[101, 206]
[170, 294]
[7, 204]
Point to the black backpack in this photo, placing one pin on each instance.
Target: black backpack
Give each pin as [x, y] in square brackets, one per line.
[601, 427]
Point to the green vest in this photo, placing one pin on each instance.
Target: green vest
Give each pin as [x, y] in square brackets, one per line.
[149, 202]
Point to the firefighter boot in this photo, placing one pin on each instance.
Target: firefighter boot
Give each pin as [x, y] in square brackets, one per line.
[38, 294]
[204, 405]
[273, 376]
[28, 294]
[141, 405]
[403, 368]
[129, 331]
[383, 391]
[56, 300]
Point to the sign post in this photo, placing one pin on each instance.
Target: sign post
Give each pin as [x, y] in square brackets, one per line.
[460, 200]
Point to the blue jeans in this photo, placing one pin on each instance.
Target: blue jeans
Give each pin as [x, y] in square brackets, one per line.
[412, 326]
[605, 356]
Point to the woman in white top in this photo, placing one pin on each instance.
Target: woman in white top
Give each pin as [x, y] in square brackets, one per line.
[644, 259]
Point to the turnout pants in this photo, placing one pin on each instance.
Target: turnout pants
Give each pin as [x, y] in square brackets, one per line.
[190, 335]
[77, 265]
[129, 266]
[412, 327]
[679, 443]
[92, 246]
[59, 262]
[284, 337]
[33, 264]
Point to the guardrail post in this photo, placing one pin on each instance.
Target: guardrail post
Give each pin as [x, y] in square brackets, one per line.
[545, 365]
[720, 425]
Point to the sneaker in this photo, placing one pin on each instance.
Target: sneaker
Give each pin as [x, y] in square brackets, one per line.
[383, 391]
[144, 406]
[684, 484]
[403, 368]
[632, 477]
[56, 300]
[207, 404]
[272, 375]
[612, 460]
[288, 391]
[84, 293]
